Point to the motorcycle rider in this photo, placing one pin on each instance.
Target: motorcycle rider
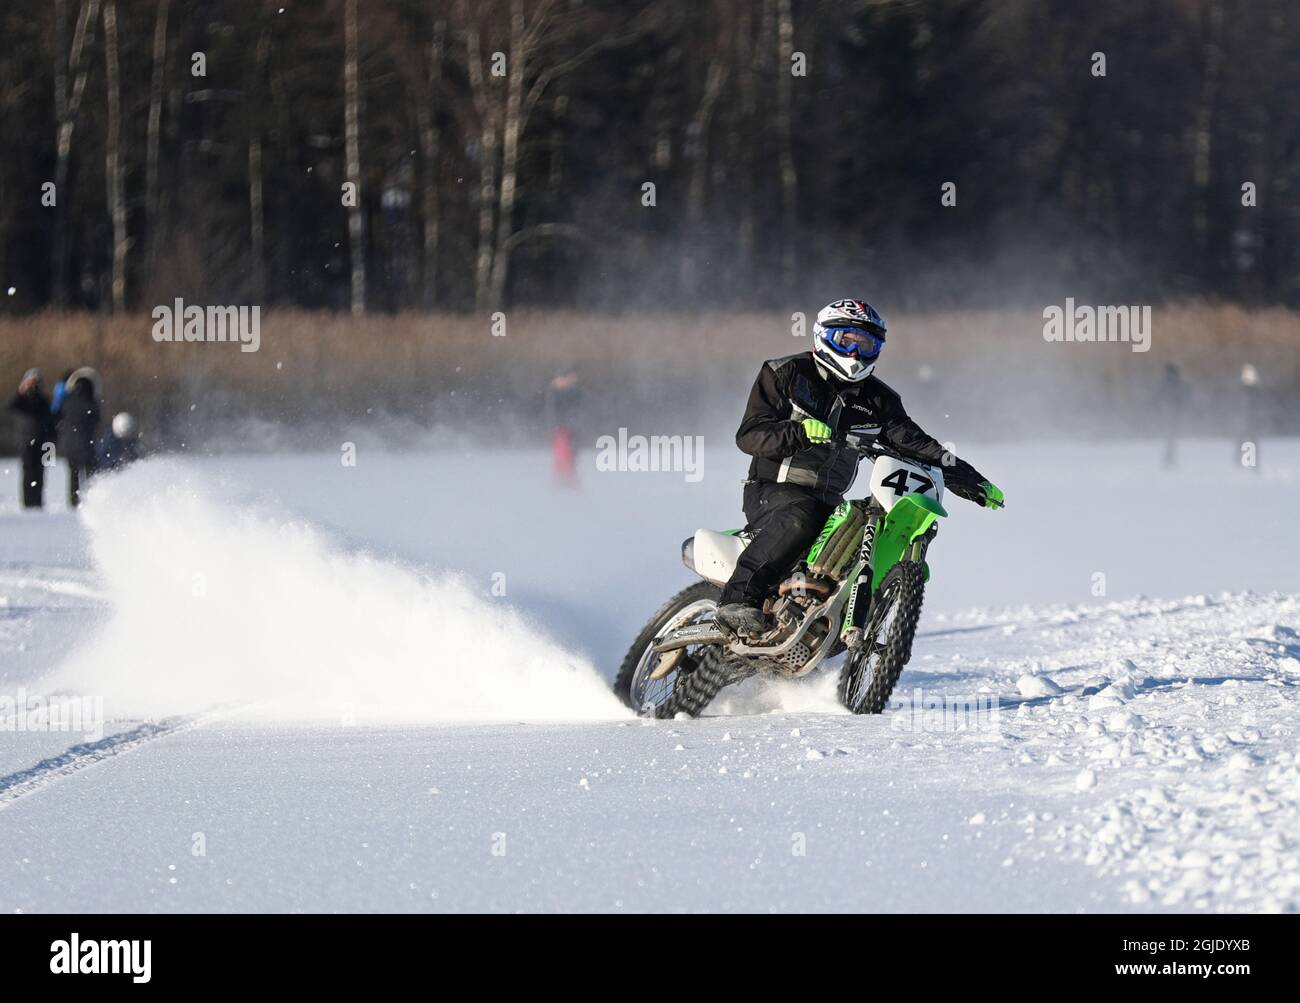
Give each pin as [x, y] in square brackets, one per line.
[800, 470]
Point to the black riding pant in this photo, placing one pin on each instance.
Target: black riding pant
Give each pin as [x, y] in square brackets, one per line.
[33, 474]
[78, 480]
[784, 520]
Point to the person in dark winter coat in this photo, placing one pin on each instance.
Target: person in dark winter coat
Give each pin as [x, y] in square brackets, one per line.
[78, 422]
[1170, 403]
[38, 430]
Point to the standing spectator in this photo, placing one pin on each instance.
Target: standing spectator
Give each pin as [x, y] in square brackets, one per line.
[1171, 397]
[78, 421]
[1251, 418]
[122, 444]
[563, 398]
[38, 429]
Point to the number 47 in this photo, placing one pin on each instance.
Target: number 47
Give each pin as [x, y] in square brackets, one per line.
[898, 481]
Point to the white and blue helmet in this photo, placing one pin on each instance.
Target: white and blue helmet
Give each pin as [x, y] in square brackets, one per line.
[847, 339]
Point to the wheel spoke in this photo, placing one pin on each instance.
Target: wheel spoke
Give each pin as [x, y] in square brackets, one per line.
[647, 692]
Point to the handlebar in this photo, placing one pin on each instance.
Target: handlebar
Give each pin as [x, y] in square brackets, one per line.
[870, 447]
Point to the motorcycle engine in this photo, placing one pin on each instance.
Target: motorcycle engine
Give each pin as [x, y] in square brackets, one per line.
[794, 659]
[805, 591]
[792, 662]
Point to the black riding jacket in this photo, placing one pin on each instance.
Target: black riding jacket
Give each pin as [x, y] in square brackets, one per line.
[38, 424]
[791, 389]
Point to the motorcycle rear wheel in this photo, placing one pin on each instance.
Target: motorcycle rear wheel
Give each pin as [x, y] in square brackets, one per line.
[697, 676]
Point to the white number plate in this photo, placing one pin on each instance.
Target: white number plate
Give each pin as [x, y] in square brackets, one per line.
[891, 479]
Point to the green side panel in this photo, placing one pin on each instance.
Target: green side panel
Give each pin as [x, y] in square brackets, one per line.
[909, 518]
[836, 519]
[732, 532]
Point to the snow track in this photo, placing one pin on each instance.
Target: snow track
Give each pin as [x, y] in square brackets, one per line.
[1142, 755]
[1172, 728]
[84, 755]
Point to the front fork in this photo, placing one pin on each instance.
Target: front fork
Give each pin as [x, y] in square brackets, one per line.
[858, 608]
[859, 605]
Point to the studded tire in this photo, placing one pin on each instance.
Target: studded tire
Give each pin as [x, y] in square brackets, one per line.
[871, 672]
[701, 594]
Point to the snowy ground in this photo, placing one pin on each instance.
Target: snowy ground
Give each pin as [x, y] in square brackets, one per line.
[318, 687]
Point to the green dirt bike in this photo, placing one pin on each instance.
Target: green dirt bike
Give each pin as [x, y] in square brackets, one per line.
[858, 592]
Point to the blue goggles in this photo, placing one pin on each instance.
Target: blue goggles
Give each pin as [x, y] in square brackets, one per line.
[854, 341]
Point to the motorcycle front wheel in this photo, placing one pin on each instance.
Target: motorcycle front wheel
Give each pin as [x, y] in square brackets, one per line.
[871, 671]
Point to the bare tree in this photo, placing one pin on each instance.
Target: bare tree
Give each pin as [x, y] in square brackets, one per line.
[785, 150]
[487, 154]
[695, 149]
[522, 41]
[256, 211]
[741, 144]
[697, 135]
[67, 107]
[60, 63]
[430, 143]
[113, 156]
[532, 64]
[155, 126]
[352, 168]
[1210, 25]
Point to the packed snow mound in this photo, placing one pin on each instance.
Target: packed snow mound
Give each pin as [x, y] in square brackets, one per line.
[215, 601]
[1170, 732]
